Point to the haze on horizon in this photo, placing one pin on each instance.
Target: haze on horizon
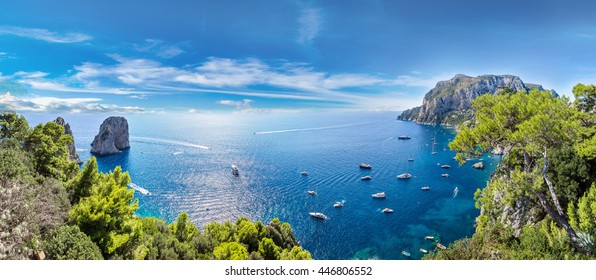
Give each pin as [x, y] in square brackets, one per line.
[279, 56]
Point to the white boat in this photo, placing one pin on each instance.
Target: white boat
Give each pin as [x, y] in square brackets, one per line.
[410, 158]
[445, 166]
[379, 195]
[365, 166]
[235, 170]
[139, 189]
[338, 204]
[318, 215]
[387, 210]
[444, 175]
[425, 188]
[455, 191]
[312, 192]
[424, 251]
[404, 176]
[429, 237]
[304, 173]
[441, 246]
[365, 178]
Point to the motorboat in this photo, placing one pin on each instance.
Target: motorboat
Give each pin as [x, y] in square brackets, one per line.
[404, 137]
[139, 189]
[444, 175]
[387, 210]
[425, 188]
[318, 215]
[405, 253]
[455, 192]
[410, 158]
[379, 195]
[338, 204]
[404, 176]
[441, 246]
[429, 237]
[304, 173]
[424, 251]
[235, 170]
[312, 192]
[365, 178]
[365, 166]
[445, 166]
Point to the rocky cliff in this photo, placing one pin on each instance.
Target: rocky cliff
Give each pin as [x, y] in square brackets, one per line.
[112, 137]
[449, 102]
[72, 150]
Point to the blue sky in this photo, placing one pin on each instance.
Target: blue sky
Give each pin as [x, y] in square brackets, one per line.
[277, 56]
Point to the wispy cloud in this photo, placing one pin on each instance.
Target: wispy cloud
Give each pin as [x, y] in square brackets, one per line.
[416, 81]
[309, 25]
[61, 105]
[159, 48]
[44, 34]
[239, 105]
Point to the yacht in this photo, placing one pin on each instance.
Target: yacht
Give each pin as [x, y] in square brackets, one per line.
[404, 137]
[379, 195]
[304, 173]
[424, 251]
[444, 175]
[441, 246]
[429, 237]
[425, 188]
[235, 170]
[387, 210]
[312, 192]
[365, 178]
[318, 215]
[445, 166]
[338, 204]
[365, 166]
[404, 176]
[405, 253]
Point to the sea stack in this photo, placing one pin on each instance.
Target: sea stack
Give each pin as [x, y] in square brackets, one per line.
[112, 137]
[72, 150]
[478, 165]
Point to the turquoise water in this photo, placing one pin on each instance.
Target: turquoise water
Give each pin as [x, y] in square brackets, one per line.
[184, 161]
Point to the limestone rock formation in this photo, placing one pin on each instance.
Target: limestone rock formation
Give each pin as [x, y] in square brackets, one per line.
[449, 102]
[478, 165]
[112, 137]
[72, 150]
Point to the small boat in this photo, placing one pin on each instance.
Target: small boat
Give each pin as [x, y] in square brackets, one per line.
[379, 195]
[318, 215]
[441, 246]
[404, 137]
[304, 173]
[404, 176]
[433, 153]
[365, 178]
[387, 210]
[338, 204]
[235, 170]
[455, 192]
[405, 253]
[425, 188]
[312, 192]
[444, 175]
[424, 251]
[139, 189]
[445, 166]
[429, 237]
[410, 158]
[365, 166]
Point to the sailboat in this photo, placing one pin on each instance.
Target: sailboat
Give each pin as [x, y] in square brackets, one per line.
[434, 144]
[410, 158]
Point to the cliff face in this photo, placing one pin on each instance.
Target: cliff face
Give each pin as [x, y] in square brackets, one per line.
[449, 102]
[112, 137]
[72, 150]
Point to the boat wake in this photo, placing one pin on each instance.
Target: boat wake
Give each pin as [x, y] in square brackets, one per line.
[139, 189]
[310, 129]
[177, 153]
[172, 142]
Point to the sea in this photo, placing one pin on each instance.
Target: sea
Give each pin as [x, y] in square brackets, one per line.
[182, 163]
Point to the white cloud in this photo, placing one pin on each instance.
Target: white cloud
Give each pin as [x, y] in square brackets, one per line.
[62, 105]
[239, 105]
[159, 48]
[310, 22]
[44, 34]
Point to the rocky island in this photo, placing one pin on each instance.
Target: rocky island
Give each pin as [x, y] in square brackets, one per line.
[449, 102]
[112, 137]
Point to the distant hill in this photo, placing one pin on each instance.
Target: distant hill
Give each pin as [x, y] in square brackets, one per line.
[449, 102]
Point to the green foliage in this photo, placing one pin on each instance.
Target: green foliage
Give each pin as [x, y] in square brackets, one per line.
[69, 243]
[268, 249]
[296, 253]
[82, 184]
[582, 216]
[230, 251]
[48, 145]
[13, 126]
[11, 165]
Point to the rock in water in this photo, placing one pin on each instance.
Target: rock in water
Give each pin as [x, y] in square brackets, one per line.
[112, 137]
[72, 150]
[478, 165]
